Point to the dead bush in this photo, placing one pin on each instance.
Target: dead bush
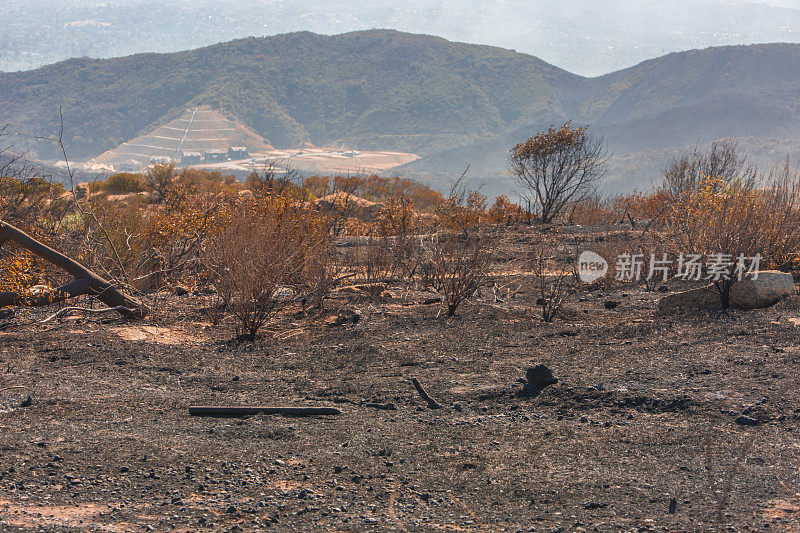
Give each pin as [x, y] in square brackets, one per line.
[688, 171]
[457, 264]
[727, 222]
[122, 183]
[265, 255]
[397, 226]
[160, 178]
[371, 262]
[553, 282]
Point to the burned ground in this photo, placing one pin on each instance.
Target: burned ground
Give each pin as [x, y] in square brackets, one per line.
[643, 420]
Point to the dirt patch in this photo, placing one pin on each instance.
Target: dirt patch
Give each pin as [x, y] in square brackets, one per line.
[37, 516]
[157, 335]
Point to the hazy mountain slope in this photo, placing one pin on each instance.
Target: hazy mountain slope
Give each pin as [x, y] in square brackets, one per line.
[660, 105]
[415, 91]
[582, 36]
[454, 104]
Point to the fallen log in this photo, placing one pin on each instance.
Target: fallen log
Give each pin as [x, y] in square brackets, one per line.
[433, 404]
[232, 411]
[85, 282]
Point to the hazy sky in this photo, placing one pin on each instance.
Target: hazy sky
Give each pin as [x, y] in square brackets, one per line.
[587, 37]
[779, 3]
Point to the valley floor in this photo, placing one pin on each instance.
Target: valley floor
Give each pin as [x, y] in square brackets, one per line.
[645, 412]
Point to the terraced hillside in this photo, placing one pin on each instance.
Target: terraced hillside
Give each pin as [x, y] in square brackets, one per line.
[196, 130]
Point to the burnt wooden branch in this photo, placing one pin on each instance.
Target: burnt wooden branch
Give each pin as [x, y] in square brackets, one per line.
[433, 404]
[86, 281]
[215, 410]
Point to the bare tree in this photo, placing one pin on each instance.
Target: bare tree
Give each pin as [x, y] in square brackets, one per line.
[722, 159]
[160, 178]
[273, 178]
[558, 167]
[85, 281]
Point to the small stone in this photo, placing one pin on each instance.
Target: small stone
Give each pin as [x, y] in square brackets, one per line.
[180, 290]
[745, 420]
[593, 505]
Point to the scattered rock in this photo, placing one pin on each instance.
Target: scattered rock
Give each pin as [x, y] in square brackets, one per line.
[745, 420]
[382, 406]
[537, 378]
[180, 290]
[594, 505]
[347, 316]
[764, 291]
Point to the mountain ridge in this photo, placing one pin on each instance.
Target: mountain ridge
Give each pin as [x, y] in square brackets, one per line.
[385, 89]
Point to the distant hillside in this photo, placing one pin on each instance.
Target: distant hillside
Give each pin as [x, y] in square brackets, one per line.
[452, 103]
[649, 112]
[417, 93]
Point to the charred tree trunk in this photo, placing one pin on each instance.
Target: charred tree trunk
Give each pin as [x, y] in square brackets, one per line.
[86, 281]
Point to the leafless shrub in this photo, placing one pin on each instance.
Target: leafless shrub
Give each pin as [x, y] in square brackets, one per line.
[160, 178]
[723, 159]
[553, 283]
[265, 256]
[457, 264]
[371, 262]
[272, 177]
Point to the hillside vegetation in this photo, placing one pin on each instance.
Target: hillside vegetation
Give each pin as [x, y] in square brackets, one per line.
[452, 103]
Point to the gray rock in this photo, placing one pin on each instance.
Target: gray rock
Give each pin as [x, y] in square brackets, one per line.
[536, 379]
[764, 291]
[745, 420]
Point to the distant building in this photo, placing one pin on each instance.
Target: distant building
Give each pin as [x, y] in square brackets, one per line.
[191, 158]
[351, 153]
[160, 160]
[214, 156]
[238, 152]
